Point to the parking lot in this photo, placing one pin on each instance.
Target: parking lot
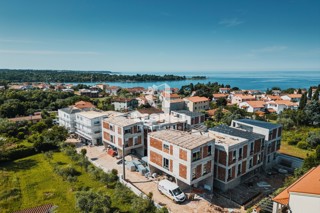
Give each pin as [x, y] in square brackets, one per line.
[100, 158]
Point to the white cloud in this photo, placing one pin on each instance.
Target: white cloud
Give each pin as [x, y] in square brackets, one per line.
[270, 49]
[48, 52]
[231, 22]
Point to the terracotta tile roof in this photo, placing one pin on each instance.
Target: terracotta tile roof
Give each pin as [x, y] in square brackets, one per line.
[245, 97]
[197, 99]
[295, 95]
[83, 104]
[256, 104]
[309, 183]
[286, 102]
[219, 95]
[40, 209]
[274, 97]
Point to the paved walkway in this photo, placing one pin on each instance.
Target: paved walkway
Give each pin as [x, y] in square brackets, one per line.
[101, 159]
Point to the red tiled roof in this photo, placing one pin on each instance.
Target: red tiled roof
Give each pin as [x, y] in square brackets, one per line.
[257, 104]
[219, 95]
[83, 104]
[40, 209]
[309, 183]
[197, 99]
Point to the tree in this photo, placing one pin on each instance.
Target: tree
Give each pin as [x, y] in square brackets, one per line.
[303, 101]
[315, 96]
[309, 93]
[89, 201]
[222, 102]
[83, 152]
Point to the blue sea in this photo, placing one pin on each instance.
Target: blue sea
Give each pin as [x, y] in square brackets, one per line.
[260, 80]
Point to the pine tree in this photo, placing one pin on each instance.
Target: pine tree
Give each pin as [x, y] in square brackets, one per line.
[303, 101]
[316, 95]
[309, 93]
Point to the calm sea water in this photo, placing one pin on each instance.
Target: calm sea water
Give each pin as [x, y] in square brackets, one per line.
[242, 79]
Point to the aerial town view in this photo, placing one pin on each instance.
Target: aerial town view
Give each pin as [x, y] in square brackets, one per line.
[159, 106]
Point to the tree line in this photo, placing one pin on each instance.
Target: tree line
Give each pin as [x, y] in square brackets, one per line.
[80, 76]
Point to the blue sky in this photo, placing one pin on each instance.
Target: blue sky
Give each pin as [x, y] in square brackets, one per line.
[160, 35]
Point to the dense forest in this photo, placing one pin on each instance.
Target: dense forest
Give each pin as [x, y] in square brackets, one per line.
[22, 103]
[81, 76]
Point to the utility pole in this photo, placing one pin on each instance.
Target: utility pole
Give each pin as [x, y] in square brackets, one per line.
[123, 161]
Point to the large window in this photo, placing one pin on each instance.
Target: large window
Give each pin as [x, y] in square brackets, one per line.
[127, 131]
[251, 148]
[234, 155]
[166, 147]
[239, 168]
[165, 163]
[196, 156]
[240, 153]
[209, 150]
[112, 138]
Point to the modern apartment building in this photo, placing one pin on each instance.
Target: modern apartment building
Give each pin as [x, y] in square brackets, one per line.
[119, 131]
[272, 137]
[186, 157]
[196, 103]
[191, 118]
[88, 125]
[238, 155]
[67, 116]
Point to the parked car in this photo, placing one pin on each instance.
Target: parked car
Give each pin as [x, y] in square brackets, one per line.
[172, 191]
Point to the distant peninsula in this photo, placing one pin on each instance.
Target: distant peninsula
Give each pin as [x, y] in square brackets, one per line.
[62, 76]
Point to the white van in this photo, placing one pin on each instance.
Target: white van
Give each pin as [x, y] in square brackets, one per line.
[171, 190]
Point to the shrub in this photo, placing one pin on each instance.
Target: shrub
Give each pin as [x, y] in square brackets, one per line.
[68, 172]
[89, 201]
[14, 154]
[303, 145]
[294, 141]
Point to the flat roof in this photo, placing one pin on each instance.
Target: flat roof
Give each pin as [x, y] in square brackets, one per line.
[262, 124]
[236, 132]
[94, 114]
[189, 113]
[181, 138]
[225, 139]
[122, 121]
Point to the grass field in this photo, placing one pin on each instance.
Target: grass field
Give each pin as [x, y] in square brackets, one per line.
[301, 133]
[30, 182]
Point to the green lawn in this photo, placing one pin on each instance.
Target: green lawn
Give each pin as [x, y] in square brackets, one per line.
[30, 182]
[302, 134]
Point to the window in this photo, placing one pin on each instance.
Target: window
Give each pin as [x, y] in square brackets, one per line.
[139, 128]
[135, 141]
[166, 147]
[165, 163]
[240, 153]
[204, 166]
[274, 155]
[278, 144]
[239, 169]
[234, 154]
[96, 132]
[96, 123]
[195, 156]
[250, 163]
[209, 150]
[193, 173]
[268, 159]
[127, 131]
[111, 127]
[229, 174]
[259, 158]
[112, 138]
[251, 148]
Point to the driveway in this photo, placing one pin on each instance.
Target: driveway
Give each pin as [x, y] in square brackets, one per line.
[101, 159]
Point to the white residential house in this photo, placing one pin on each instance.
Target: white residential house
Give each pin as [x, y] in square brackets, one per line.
[279, 106]
[253, 106]
[88, 125]
[239, 98]
[302, 196]
[67, 117]
[224, 90]
[192, 118]
[186, 157]
[292, 97]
